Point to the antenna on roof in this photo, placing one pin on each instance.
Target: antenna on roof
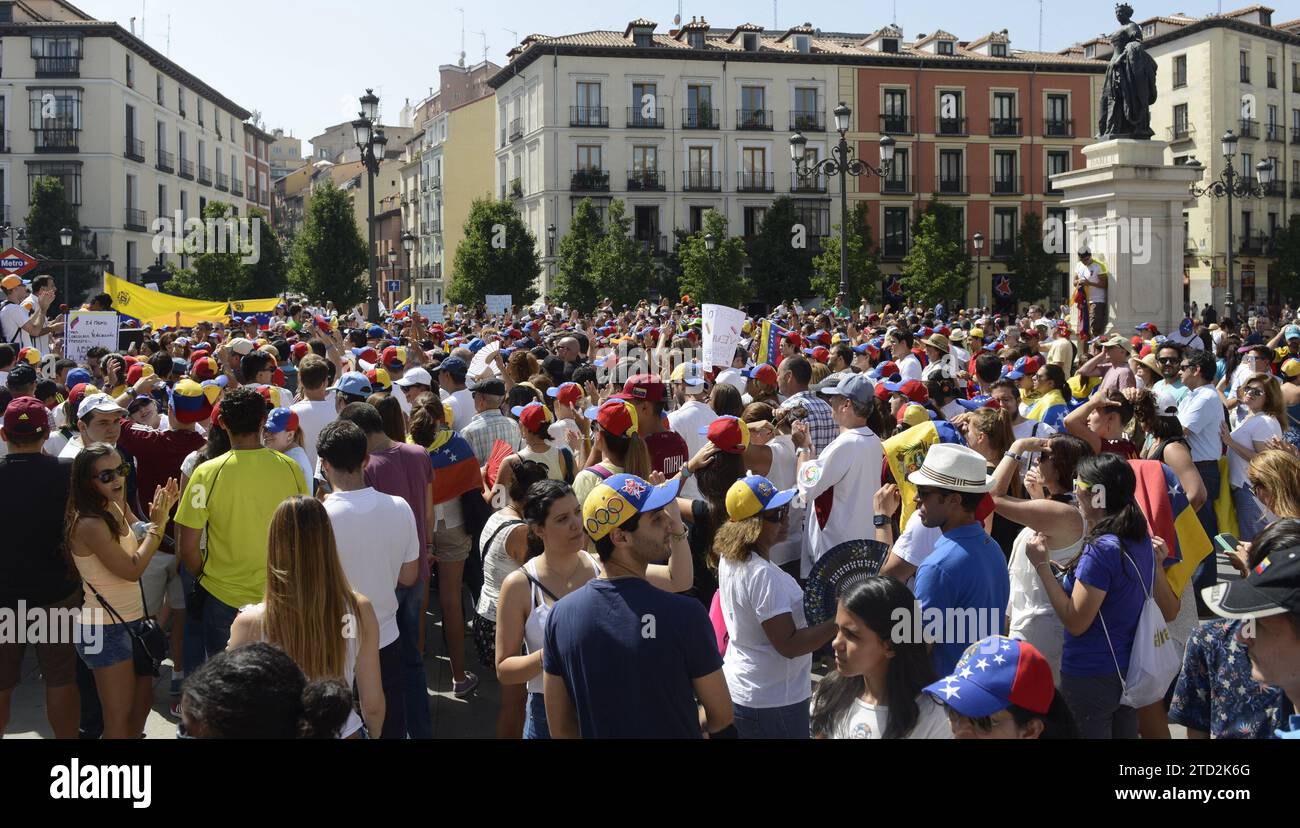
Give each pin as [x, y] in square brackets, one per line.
[485, 44]
[677, 18]
[143, 17]
[462, 37]
[775, 24]
[894, 22]
[169, 35]
[513, 34]
[1040, 25]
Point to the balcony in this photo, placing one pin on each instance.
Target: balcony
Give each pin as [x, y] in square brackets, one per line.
[1180, 132]
[1249, 128]
[134, 149]
[1058, 129]
[897, 185]
[754, 119]
[516, 129]
[1005, 127]
[516, 188]
[1256, 244]
[1003, 248]
[435, 183]
[952, 185]
[894, 247]
[589, 180]
[589, 116]
[166, 161]
[223, 182]
[205, 175]
[1048, 189]
[1295, 189]
[701, 118]
[1275, 188]
[814, 183]
[806, 121]
[895, 124]
[655, 245]
[1007, 185]
[1275, 132]
[754, 182]
[135, 220]
[56, 140]
[236, 187]
[646, 181]
[950, 126]
[702, 181]
[1295, 135]
[637, 119]
[58, 67]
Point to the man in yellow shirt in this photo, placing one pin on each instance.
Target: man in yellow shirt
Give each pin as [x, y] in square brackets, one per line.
[234, 497]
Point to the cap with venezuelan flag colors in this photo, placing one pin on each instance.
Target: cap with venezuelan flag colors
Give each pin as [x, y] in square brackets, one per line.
[618, 417]
[754, 495]
[728, 433]
[192, 402]
[619, 499]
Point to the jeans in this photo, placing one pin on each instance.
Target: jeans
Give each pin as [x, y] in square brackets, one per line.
[1095, 704]
[217, 619]
[390, 675]
[789, 722]
[415, 686]
[1250, 514]
[1207, 574]
[535, 726]
[193, 652]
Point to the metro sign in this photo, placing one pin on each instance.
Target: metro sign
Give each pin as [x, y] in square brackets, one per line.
[14, 262]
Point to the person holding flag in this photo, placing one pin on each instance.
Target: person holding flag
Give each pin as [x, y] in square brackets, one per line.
[1090, 295]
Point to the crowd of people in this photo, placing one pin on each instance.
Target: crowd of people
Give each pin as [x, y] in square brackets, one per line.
[627, 534]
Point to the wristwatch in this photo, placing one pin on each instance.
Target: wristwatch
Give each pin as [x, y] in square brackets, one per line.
[880, 520]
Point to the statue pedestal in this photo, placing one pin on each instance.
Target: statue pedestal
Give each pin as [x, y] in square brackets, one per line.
[1127, 206]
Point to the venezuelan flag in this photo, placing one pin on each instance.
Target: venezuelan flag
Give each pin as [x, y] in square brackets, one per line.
[1170, 516]
[906, 452]
[149, 307]
[769, 332]
[455, 468]
[1050, 409]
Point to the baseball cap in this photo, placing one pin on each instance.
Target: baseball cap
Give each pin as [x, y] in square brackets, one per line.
[884, 370]
[379, 379]
[644, 388]
[914, 390]
[275, 397]
[994, 674]
[820, 353]
[1292, 332]
[299, 350]
[754, 495]
[394, 356]
[20, 375]
[856, 387]
[26, 416]
[367, 355]
[98, 403]
[978, 402]
[764, 373]
[11, 282]
[31, 356]
[1272, 588]
[914, 414]
[455, 366]
[281, 420]
[241, 346]
[492, 386]
[354, 384]
[568, 393]
[415, 376]
[616, 416]
[374, 332]
[138, 372]
[534, 417]
[619, 499]
[78, 376]
[1025, 366]
[192, 402]
[205, 368]
[795, 339]
[1291, 368]
[728, 433]
[1117, 341]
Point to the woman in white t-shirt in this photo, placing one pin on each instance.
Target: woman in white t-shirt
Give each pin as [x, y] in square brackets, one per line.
[768, 663]
[1265, 412]
[771, 454]
[876, 690]
[284, 435]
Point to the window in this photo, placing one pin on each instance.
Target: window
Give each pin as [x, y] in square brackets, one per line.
[943, 47]
[48, 50]
[180, 99]
[895, 234]
[1054, 230]
[803, 43]
[754, 220]
[998, 49]
[642, 38]
[1274, 132]
[588, 157]
[130, 125]
[815, 216]
[1181, 126]
[200, 111]
[645, 159]
[699, 106]
[753, 169]
[1058, 116]
[1004, 231]
[588, 110]
[699, 170]
[1180, 71]
[1295, 171]
[130, 71]
[697, 218]
[889, 44]
[807, 115]
[162, 200]
[1058, 161]
[695, 39]
[181, 146]
[57, 128]
[951, 121]
[642, 94]
[1004, 114]
[753, 114]
[160, 89]
[69, 172]
[1245, 67]
[950, 172]
[1004, 172]
[185, 205]
[898, 178]
[1272, 73]
[132, 270]
[1149, 30]
[751, 42]
[895, 117]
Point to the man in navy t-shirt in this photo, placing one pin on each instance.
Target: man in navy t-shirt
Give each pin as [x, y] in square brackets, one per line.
[623, 659]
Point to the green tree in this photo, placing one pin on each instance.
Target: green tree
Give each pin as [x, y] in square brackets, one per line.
[777, 267]
[214, 276]
[329, 255]
[937, 267]
[497, 256]
[670, 275]
[269, 275]
[716, 277]
[864, 261]
[574, 281]
[49, 213]
[621, 267]
[1034, 271]
[1287, 275]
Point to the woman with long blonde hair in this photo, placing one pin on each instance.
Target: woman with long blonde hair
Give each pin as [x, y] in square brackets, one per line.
[1265, 418]
[312, 613]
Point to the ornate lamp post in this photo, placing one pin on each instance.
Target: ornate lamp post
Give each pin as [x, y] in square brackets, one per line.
[978, 242]
[408, 245]
[371, 141]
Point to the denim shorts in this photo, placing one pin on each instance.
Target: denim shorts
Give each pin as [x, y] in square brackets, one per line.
[103, 645]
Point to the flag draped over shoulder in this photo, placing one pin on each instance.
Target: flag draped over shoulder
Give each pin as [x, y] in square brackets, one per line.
[1170, 517]
[1050, 409]
[149, 307]
[455, 468]
[904, 453]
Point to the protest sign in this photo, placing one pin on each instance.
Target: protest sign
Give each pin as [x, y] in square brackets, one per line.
[722, 333]
[86, 329]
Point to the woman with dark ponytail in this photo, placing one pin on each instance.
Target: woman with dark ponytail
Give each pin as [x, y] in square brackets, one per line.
[257, 692]
[876, 689]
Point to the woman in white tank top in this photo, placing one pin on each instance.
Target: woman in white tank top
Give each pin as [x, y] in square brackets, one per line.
[312, 614]
[555, 519]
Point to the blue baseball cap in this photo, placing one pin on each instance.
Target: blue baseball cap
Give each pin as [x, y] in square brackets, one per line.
[476, 345]
[80, 376]
[994, 674]
[1291, 332]
[620, 498]
[754, 495]
[1024, 367]
[1186, 327]
[856, 387]
[375, 332]
[353, 383]
[454, 366]
[281, 420]
[976, 403]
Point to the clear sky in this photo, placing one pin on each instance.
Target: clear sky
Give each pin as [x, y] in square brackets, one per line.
[304, 63]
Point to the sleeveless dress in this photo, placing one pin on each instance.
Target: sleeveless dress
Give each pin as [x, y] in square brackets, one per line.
[1029, 610]
[534, 634]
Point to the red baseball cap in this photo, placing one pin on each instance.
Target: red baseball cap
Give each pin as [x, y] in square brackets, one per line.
[617, 417]
[204, 368]
[26, 416]
[534, 417]
[568, 393]
[729, 434]
[914, 390]
[821, 354]
[644, 388]
[795, 339]
[300, 350]
[764, 373]
[137, 372]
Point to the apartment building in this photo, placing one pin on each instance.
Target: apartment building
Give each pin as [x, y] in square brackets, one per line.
[337, 143]
[1237, 72]
[257, 169]
[700, 118]
[130, 133]
[286, 154]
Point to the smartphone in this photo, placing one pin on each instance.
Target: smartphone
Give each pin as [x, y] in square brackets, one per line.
[1226, 542]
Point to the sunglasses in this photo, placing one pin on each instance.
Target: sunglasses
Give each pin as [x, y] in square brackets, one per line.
[776, 515]
[1083, 485]
[1167, 360]
[107, 475]
[1184, 367]
[1252, 392]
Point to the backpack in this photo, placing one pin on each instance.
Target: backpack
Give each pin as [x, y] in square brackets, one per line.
[1154, 661]
[600, 471]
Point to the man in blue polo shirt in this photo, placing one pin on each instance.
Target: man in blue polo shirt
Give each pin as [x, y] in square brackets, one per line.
[964, 582]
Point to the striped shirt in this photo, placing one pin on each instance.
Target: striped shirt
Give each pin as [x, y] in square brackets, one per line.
[485, 429]
[821, 423]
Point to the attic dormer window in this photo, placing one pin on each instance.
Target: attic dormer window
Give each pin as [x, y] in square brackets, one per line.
[642, 37]
[803, 43]
[1090, 50]
[998, 49]
[751, 42]
[695, 40]
[1149, 30]
[889, 44]
[943, 47]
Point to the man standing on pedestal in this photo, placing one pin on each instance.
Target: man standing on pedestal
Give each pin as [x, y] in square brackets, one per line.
[1090, 277]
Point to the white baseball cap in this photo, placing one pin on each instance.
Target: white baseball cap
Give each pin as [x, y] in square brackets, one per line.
[99, 403]
[241, 346]
[415, 376]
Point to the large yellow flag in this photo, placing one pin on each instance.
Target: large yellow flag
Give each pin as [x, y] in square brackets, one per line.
[239, 307]
[150, 307]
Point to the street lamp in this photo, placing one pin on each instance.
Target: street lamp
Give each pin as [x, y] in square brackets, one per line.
[1233, 184]
[408, 244]
[65, 240]
[978, 241]
[843, 164]
[550, 253]
[371, 141]
[711, 242]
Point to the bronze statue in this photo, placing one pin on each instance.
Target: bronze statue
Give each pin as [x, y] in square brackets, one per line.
[1130, 86]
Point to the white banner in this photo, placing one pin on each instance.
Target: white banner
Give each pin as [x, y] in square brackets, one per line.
[722, 333]
[498, 304]
[433, 313]
[86, 329]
